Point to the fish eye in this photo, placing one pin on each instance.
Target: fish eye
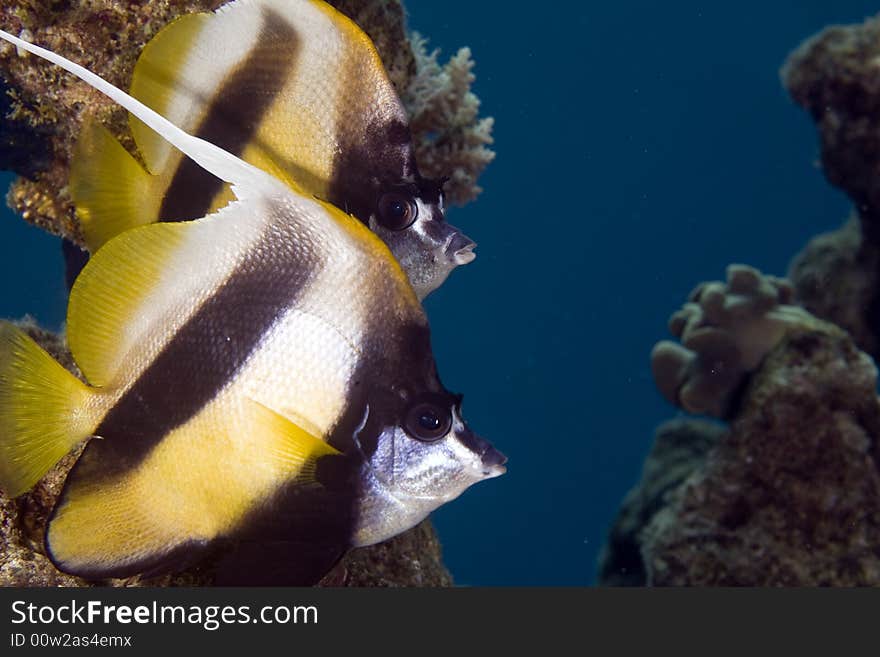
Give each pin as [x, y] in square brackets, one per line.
[428, 422]
[397, 211]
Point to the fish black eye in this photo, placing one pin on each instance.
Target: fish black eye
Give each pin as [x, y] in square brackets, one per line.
[428, 422]
[397, 211]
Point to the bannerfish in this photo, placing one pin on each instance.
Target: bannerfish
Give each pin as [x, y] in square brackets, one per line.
[293, 87]
[261, 389]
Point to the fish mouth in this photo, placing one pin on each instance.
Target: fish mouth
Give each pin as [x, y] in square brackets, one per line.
[494, 463]
[459, 249]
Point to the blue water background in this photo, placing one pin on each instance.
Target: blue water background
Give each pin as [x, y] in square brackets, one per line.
[642, 146]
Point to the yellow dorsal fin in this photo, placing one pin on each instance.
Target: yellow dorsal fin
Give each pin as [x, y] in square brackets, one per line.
[153, 83]
[111, 190]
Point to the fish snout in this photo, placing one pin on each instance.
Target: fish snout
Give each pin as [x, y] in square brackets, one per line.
[494, 462]
[489, 461]
[459, 248]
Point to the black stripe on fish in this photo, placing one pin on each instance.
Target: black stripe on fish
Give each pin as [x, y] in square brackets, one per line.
[234, 117]
[369, 163]
[298, 535]
[201, 358]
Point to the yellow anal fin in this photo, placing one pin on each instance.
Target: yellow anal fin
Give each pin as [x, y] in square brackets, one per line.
[45, 411]
[200, 483]
[111, 190]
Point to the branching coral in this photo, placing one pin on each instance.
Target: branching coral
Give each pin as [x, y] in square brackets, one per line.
[726, 330]
[451, 139]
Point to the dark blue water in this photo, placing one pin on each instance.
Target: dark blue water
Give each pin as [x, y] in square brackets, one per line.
[642, 147]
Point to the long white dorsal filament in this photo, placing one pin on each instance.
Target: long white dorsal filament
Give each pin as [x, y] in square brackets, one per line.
[245, 178]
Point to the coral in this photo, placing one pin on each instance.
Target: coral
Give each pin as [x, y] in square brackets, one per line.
[384, 22]
[680, 448]
[835, 278]
[726, 330]
[451, 140]
[791, 496]
[48, 107]
[450, 137]
[411, 559]
[835, 76]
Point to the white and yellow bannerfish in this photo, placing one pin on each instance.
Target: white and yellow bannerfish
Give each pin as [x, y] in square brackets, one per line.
[261, 385]
[292, 87]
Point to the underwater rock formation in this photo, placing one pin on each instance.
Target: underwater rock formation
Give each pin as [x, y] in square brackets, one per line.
[834, 77]
[48, 106]
[790, 496]
[726, 330]
[410, 559]
[835, 278]
[680, 448]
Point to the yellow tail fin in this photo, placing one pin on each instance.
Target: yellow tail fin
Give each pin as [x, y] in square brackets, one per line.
[111, 190]
[44, 411]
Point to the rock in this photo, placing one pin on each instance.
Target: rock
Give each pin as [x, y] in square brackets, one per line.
[834, 76]
[791, 496]
[835, 279]
[680, 448]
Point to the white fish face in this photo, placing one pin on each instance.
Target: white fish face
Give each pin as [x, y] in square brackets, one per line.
[427, 247]
[431, 459]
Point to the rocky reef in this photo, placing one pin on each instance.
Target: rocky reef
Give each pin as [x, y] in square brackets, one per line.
[44, 109]
[788, 493]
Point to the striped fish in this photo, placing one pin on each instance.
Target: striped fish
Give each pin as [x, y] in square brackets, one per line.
[261, 388]
[293, 87]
